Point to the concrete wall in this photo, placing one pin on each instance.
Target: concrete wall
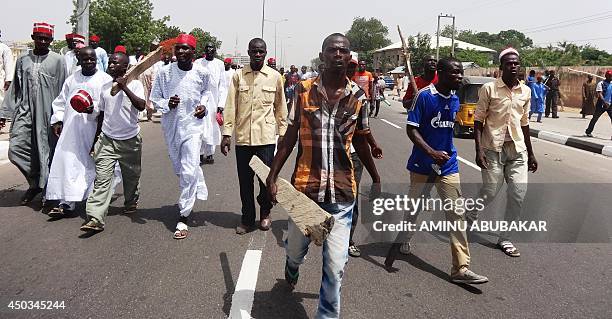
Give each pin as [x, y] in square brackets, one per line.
[571, 82]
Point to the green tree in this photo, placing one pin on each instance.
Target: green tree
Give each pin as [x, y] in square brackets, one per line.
[168, 32]
[366, 36]
[129, 23]
[57, 45]
[419, 47]
[314, 63]
[202, 38]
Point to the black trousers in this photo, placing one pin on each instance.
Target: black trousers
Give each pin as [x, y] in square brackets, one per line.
[247, 187]
[552, 99]
[358, 166]
[599, 110]
[374, 106]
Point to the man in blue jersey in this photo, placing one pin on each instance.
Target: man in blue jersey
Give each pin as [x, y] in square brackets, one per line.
[430, 128]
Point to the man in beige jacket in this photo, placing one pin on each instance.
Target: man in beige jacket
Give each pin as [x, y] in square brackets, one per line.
[257, 111]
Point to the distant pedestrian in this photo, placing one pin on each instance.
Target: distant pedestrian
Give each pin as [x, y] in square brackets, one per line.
[552, 97]
[538, 94]
[101, 54]
[503, 143]
[365, 80]
[291, 80]
[6, 69]
[588, 97]
[71, 57]
[604, 99]
[379, 95]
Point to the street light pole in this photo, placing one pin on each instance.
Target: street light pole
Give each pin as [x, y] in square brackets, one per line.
[276, 22]
[83, 19]
[263, 16]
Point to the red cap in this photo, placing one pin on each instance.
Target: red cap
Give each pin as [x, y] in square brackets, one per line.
[94, 38]
[69, 36]
[81, 100]
[188, 39]
[121, 49]
[609, 72]
[271, 60]
[42, 27]
[227, 60]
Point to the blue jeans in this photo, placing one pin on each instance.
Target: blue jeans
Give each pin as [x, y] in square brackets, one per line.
[335, 256]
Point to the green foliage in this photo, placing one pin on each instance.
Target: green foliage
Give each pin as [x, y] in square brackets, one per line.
[204, 37]
[314, 63]
[367, 35]
[56, 45]
[129, 23]
[419, 48]
[168, 32]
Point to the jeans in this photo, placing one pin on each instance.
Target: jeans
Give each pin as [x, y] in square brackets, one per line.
[335, 256]
[512, 167]
[244, 154]
[599, 111]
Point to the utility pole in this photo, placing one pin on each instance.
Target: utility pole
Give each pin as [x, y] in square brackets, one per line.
[438, 35]
[83, 19]
[263, 16]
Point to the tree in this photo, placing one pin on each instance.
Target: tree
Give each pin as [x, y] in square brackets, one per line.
[419, 47]
[168, 32]
[129, 23]
[366, 36]
[202, 38]
[314, 63]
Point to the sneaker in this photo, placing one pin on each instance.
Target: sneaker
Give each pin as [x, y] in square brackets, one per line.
[468, 277]
[291, 276]
[92, 225]
[405, 249]
[354, 251]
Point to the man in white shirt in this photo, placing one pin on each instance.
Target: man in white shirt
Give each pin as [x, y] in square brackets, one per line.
[71, 57]
[75, 121]
[6, 68]
[120, 141]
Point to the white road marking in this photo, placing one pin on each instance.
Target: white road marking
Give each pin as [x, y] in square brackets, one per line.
[392, 124]
[244, 292]
[468, 163]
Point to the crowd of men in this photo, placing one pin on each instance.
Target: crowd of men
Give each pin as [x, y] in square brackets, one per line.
[73, 138]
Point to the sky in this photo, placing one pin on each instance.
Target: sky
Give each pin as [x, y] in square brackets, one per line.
[236, 22]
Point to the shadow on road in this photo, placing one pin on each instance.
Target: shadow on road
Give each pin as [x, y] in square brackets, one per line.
[278, 229]
[280, 302]
[380, 250]
[168, 215]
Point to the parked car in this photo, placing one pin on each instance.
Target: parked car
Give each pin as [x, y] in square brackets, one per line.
[468, 97]
[390, 82]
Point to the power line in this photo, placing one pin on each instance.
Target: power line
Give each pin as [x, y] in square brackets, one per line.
[566, 21]
[571, 24]
[573, 41]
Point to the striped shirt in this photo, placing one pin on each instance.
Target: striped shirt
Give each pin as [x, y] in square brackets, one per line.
[323, 169]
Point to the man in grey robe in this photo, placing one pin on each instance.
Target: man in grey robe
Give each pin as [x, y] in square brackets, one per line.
[39, 76]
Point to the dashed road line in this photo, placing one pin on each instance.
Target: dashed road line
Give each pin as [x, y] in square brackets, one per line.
[392, 124]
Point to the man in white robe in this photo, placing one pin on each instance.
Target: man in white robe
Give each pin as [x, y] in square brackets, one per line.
[6, 69]
[72, 169]
[216, 101]
[71, 58]
[180, 94]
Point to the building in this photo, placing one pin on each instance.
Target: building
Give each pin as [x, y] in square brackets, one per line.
[393, 54]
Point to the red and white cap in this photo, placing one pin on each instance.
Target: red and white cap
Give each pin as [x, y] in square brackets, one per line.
[81, 101]
[78, 38]
[227, 60]
[42, 27]
[188, 39]
[94, 38]
[120, 48]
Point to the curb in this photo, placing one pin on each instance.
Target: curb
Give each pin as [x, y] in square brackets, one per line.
[572, 142]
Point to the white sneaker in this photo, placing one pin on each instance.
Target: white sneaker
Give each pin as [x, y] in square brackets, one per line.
[405, 248]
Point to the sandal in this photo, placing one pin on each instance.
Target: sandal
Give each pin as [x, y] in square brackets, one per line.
[181, 231]
[353, 251]
[92, 225]
[130, 209]
[508, 249]
[59, 211]
[265, 224]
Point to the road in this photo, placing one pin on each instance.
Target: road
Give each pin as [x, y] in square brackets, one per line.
[134, 269]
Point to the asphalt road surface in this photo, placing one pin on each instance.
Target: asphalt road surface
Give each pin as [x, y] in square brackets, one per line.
[134, 269]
